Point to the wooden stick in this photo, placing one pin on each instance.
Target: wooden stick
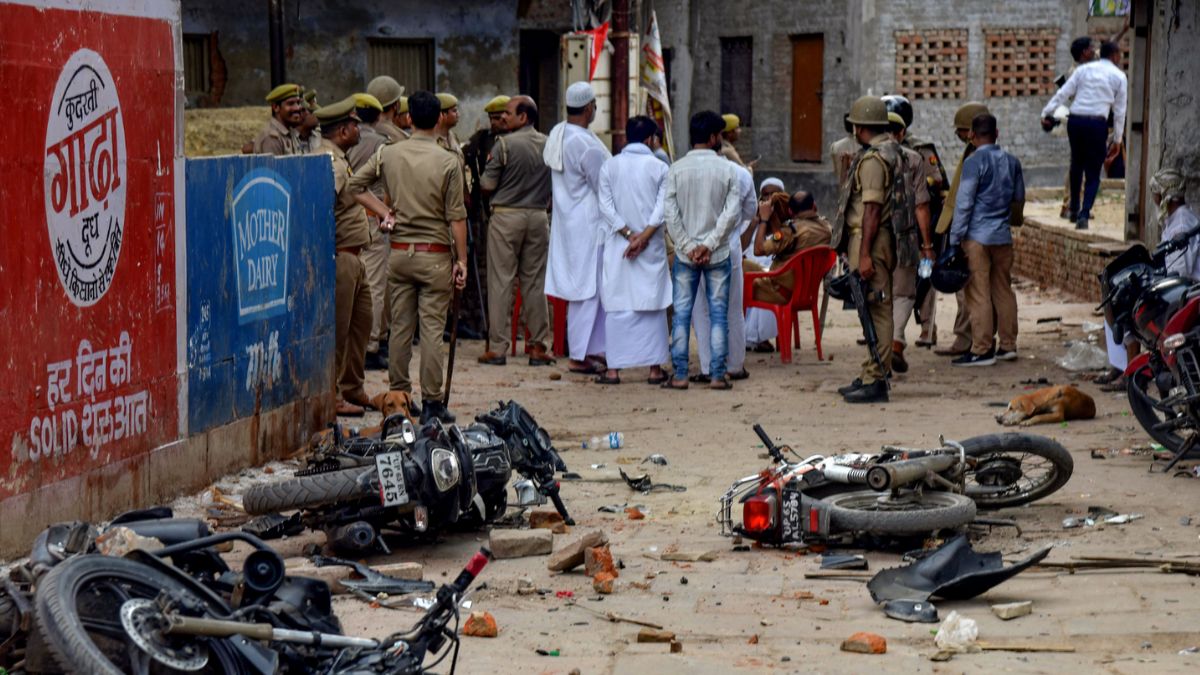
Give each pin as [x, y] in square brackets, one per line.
[1024, 647]
[615, 618]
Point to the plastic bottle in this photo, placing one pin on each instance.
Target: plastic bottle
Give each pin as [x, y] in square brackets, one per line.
[616, 440]
[593, 444]
[925, 268]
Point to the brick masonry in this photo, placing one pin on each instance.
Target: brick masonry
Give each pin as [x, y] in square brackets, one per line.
[1066, 260]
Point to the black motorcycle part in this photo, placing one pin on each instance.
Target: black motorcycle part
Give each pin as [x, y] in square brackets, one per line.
[912, 611]
[151, 513]
[61, 541]
[865, 511]
[953, 571]
[372, 581]
[263, 572]
[1163, 426]
[310, 491]
[169, 530]
[1015, 468]
[274, 526]
[356, 537]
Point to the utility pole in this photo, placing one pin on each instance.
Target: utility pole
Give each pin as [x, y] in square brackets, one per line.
[275, 28]
[620, 73]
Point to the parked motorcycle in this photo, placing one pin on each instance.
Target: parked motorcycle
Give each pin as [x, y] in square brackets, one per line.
[897, 492]
[1162, 312]
[413, 481]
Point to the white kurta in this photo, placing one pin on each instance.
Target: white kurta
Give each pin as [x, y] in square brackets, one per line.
[1187, 261]
[637, 292]
[760, 323]
[736, 361]
[575, 227]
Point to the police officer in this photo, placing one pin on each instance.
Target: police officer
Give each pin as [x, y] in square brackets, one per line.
[352, 297]
[281, 134]
[375, 255]
[842, 151]
[479, 147]
[874, 230]
[517, 181]
[429, 246]
[962, 320]
[310, 128]
[390, 95]
[446, 136]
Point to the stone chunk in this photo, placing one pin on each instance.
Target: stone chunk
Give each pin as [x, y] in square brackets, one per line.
[1012, 610]
[571, 556]
[865, 643]
[409, 571]
[603, 583]
[599, 559]
[520, 543]
[547, 520]
[655, 635]
[480, 624]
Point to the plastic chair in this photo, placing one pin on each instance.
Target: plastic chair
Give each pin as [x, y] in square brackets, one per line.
[560, 323]
[808, 268]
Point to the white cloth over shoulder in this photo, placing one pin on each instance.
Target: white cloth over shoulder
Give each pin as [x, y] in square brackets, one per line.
[632, 187]
[1185, 261]
[575, 228]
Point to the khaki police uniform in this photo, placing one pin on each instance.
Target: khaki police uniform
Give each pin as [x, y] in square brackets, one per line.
[450, 143]
[393, 133]
[425, 184]
[375, 254]
[518, 240]
[962, 319]
[795, 236]
[870, 182]
[278, 139]
[352, 296]
[904, 285]
[936, 183]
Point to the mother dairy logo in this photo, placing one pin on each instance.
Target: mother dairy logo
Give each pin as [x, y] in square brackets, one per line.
[85, 177]
[261, 214]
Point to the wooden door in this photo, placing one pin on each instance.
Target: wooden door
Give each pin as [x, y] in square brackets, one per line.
[808, 81]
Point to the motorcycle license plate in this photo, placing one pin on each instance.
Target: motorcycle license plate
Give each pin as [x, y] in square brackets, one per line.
[389, 466]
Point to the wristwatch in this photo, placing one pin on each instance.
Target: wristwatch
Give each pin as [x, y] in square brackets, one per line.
[625, 232]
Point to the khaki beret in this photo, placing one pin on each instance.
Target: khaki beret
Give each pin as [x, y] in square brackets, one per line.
[283, 92]
[731, 121]
[968, 112]
[895, 118]
[497, 104]
[367, 101]
[448, 101]
[402, 105]
[386, 89]
[337, 112]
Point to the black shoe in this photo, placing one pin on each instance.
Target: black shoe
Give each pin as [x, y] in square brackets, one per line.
[898, 363]
[876, 392]
[970, 360]
[436, 409]
[1081, 223]
[375, 362]
[853, 386]
[1072, 216]
[1006, 355]
[383, 349]
[1065, 214]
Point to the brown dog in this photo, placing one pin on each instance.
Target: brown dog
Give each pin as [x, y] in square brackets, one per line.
[1052, 404]
[391, 402]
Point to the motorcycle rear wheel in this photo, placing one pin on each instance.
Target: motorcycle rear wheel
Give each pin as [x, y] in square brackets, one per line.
[1014, 469]
[307, 491]
[1141, 401]
[78, 606]
[862, 511]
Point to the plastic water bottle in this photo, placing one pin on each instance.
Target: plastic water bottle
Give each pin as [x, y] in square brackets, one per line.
[593, 444]
[616, 440]
[925, 268]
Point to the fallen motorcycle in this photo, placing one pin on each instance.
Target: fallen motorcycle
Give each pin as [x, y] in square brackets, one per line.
[412, 481]
[897, 492]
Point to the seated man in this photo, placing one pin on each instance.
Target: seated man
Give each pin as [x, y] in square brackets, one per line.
[784, 238]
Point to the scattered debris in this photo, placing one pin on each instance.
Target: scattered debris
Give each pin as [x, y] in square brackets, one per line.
[616, 618]
[525, 586]
[653, 635]
[656, 459]
[865, 643]
[119, 541]
[372, 581]
[1012, 610]
[571, 556]
[520, 543]
[599, 559]
[843, 562]
[1082, 356]
[1024, 647]
[544, 520]
[753, 639]
[644, 485]
[952, 571]
[546, 652]
[912, 611]
[480, 624]
[676, 647]
[603, 583]
[957, 634]
[671, 553]
[635, 513]
[1100, 514]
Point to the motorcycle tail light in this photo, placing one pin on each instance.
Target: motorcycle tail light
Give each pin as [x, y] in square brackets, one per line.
[758, 513]
[421, 518]
[1174, 341]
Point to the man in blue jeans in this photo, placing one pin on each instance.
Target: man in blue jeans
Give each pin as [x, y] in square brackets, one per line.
[701, 209]
[1095, 89]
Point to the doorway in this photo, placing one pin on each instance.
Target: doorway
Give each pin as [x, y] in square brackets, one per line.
[538, 73]
[808, 83]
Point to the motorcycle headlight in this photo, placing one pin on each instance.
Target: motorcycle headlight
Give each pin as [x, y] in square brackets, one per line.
[1174, 341]
[446, 472]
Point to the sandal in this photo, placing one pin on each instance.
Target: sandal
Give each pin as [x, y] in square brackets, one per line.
[741, 375]
[590, 369]
[670, 384]
[700, 378]
[658, 380]
[721, 385]
[605, 379]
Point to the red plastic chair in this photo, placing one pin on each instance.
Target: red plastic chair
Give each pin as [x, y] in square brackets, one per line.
[808, 268]
[560, 323]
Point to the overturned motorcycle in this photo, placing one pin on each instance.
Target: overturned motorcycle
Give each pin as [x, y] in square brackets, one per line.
[897, 492]
[412, 481]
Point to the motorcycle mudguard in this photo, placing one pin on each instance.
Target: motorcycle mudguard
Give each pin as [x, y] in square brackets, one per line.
[1139, 362]
[953, 571]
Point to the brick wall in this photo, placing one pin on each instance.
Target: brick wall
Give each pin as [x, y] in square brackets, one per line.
[1067, 260]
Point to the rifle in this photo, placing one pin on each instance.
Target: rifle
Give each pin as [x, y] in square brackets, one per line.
[860, 295]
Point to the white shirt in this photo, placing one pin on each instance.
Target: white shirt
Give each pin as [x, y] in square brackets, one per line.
[702, 203]
[1097, 88]
[1186, 261]
[575, 230]
[633, 185]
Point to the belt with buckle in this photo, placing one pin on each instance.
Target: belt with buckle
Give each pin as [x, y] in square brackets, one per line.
[420, 248]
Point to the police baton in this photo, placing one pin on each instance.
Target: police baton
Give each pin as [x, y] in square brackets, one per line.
[453, 345]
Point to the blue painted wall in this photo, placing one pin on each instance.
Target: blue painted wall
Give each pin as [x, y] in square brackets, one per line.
[260, 284]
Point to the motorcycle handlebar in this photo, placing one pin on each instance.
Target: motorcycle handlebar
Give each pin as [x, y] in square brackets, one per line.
[770, 445]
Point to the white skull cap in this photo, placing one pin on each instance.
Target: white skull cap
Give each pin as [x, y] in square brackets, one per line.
[580, 94]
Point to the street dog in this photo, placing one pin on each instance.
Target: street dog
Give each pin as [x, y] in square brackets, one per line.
[1052, 404]
[391, 402]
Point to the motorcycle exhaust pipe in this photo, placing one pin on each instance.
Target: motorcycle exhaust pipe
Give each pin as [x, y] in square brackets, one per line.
[898, 474]
[845, 474]
[358, 537]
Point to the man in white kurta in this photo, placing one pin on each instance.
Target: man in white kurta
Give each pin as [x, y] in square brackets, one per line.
[760, 323]
[635, 288]
[575, 156]
[735, 363]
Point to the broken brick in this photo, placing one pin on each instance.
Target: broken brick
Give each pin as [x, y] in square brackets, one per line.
[599, 559]
[480, 624]
[603, 583]
[865, 643]
[635, 513]
[655, 635]
[544, 520]
[571, 556]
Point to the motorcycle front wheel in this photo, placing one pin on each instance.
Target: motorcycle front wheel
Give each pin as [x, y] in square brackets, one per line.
[78, 614]
[1014, 469]
[870, 511]
[1141, 390]
[306, 492]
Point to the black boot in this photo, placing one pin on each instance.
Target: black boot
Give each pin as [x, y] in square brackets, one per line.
[853, 386]
[876, 392]
[436, 409]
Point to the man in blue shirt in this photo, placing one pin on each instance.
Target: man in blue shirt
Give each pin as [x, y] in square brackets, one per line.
[991, 199]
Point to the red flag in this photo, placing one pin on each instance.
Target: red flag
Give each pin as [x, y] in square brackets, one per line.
[599, 35]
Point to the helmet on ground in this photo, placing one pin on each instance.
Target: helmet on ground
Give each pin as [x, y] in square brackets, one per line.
[899, 105]
[869, 111]
[950, 271]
